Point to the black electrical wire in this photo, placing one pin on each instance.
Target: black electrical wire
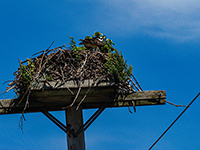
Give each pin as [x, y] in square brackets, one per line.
[174, 122]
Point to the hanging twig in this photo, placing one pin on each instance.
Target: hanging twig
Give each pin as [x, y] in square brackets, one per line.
[94, 83]
[27, 102]
[22, 118]
[77, 94]
[133, 103]
[130, 110]
[85, 96]
[24, 95]
[175, 104]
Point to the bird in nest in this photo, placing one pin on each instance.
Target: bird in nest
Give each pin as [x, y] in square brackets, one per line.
[94, 43]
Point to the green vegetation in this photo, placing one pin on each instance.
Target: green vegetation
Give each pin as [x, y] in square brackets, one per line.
[75, 48]
[115, 65]
[27, 71]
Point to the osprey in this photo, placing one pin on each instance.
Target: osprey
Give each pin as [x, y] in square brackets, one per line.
[93, 43]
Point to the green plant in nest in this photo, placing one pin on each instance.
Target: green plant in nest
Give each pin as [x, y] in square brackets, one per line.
[49, 78]
[118, 67]
[75, 49]
[115, 65]
[27, 71]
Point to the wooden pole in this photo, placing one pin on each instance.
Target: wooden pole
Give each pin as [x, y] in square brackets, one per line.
[74, 120]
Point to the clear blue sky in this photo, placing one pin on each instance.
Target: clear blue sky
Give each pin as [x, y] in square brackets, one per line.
[160, 39]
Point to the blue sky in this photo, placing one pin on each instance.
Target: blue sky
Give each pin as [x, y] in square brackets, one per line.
[160, 39]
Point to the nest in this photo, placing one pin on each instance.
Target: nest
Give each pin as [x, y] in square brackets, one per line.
[64, 64]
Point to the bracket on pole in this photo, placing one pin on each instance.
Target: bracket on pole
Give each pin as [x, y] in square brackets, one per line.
[57, 122]
[67, 129]
[90, 120]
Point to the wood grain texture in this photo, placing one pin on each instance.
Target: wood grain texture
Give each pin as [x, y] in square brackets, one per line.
[52, 99]
[74, 120]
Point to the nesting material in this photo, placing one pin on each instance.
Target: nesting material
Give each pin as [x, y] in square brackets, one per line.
[63, 64]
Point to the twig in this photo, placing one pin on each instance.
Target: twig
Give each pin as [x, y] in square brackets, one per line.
[88, 91]
[24, 95]
[134, 84]
[137, 82]
[64, 81]
[175, 104]
[85, 96]
[130, 110]
[77, 94]
[40, 64]
[79, 83]
[27, 102]
[22, 116]
[44, 50]
[9, 89]
[6, 82]
[81, 72]
[133, 103]
[45, 80]
[50, 46]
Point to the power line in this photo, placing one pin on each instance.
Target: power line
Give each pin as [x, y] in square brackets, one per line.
[174, 122]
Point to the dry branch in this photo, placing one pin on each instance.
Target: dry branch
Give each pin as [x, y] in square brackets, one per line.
[63, 64]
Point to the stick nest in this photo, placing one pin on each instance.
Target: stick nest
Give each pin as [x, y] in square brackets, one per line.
[63, 64]
[75, 63]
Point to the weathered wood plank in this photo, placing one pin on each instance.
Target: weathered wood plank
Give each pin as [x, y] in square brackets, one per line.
[70, 84]
[95, 100]
[55, 95]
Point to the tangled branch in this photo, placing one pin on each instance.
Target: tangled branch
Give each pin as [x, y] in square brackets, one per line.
[64, 64]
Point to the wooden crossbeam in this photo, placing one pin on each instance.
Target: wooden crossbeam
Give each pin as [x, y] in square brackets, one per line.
[56, 95]
[9, 106]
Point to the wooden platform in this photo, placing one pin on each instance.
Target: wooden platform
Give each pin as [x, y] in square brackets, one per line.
[55, 95]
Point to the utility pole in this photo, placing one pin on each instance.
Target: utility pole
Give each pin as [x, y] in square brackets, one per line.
[74, 120]
[44, 98]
